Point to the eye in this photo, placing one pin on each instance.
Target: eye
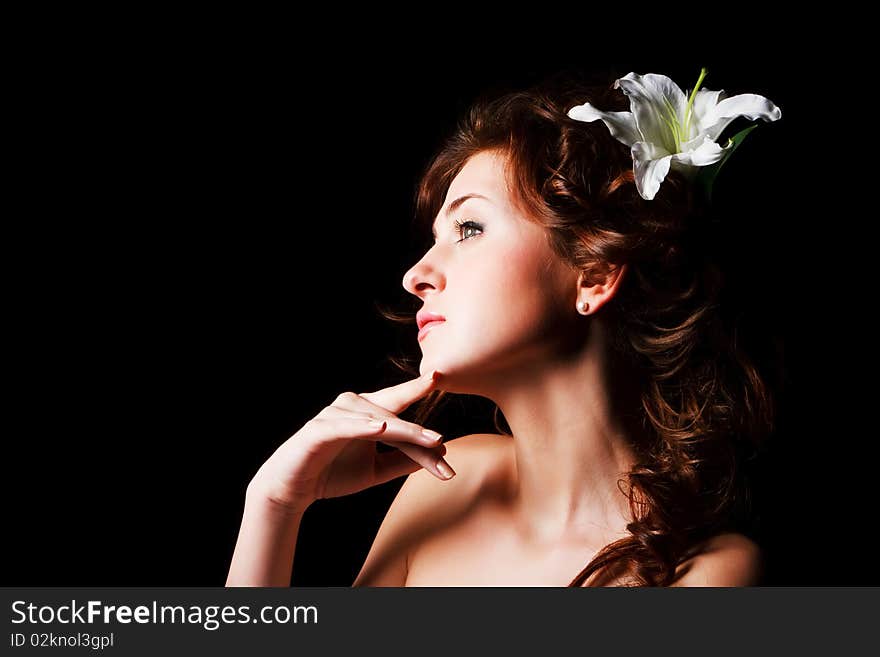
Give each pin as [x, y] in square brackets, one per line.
[462, 226]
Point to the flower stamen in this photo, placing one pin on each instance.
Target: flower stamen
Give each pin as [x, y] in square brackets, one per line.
[687, 114]
[673, 125]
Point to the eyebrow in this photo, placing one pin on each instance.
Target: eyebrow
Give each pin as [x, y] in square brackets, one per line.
[457, 204]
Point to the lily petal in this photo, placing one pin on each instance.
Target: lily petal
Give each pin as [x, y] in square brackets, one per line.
[751, 106]
[650, 166]
[622, 125]
[708, 152]
[650, 96]
[704, 103]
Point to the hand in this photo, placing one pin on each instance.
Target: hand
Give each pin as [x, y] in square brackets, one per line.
[334, 453]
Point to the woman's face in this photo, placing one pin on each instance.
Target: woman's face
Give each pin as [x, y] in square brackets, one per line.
[507, 298]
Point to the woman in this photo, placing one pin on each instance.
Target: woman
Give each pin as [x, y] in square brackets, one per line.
[572, 285]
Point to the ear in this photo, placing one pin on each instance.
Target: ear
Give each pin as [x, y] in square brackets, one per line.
[600, 285]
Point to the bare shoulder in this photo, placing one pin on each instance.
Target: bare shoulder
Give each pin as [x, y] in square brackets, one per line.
[425, 502]
[728, 559]
[479, 450]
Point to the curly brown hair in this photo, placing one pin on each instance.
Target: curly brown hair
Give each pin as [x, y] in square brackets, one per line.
[705, 407]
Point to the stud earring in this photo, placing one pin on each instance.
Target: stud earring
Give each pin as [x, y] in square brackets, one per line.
[582, 306]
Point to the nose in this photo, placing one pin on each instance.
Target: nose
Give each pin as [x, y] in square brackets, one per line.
[421, 277]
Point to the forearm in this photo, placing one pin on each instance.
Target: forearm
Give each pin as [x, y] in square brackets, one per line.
[266, 544]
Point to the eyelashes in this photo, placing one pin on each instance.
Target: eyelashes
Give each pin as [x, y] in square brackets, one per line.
[461, 226]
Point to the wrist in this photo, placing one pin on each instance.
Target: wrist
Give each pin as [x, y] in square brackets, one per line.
[260, 498]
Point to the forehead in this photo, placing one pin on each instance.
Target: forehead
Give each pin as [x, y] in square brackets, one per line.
[482, 173]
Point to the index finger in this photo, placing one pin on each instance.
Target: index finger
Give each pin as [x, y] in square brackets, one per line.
[396, 398]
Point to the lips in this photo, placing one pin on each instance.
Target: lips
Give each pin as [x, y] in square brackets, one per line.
[424, 317]
[427, 321]
[427, 328]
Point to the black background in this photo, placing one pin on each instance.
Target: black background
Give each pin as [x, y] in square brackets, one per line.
[202, 224]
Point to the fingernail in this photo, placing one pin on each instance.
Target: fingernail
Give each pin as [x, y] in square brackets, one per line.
[433, 435]
[444, 469]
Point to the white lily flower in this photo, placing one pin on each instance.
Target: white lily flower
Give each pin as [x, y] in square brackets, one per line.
[666, 129]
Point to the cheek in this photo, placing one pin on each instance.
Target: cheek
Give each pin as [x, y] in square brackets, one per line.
[509, 298]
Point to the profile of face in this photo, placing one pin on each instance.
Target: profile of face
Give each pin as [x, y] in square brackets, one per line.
[507, 298]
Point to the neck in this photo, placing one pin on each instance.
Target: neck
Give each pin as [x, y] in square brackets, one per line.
[572, 444]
